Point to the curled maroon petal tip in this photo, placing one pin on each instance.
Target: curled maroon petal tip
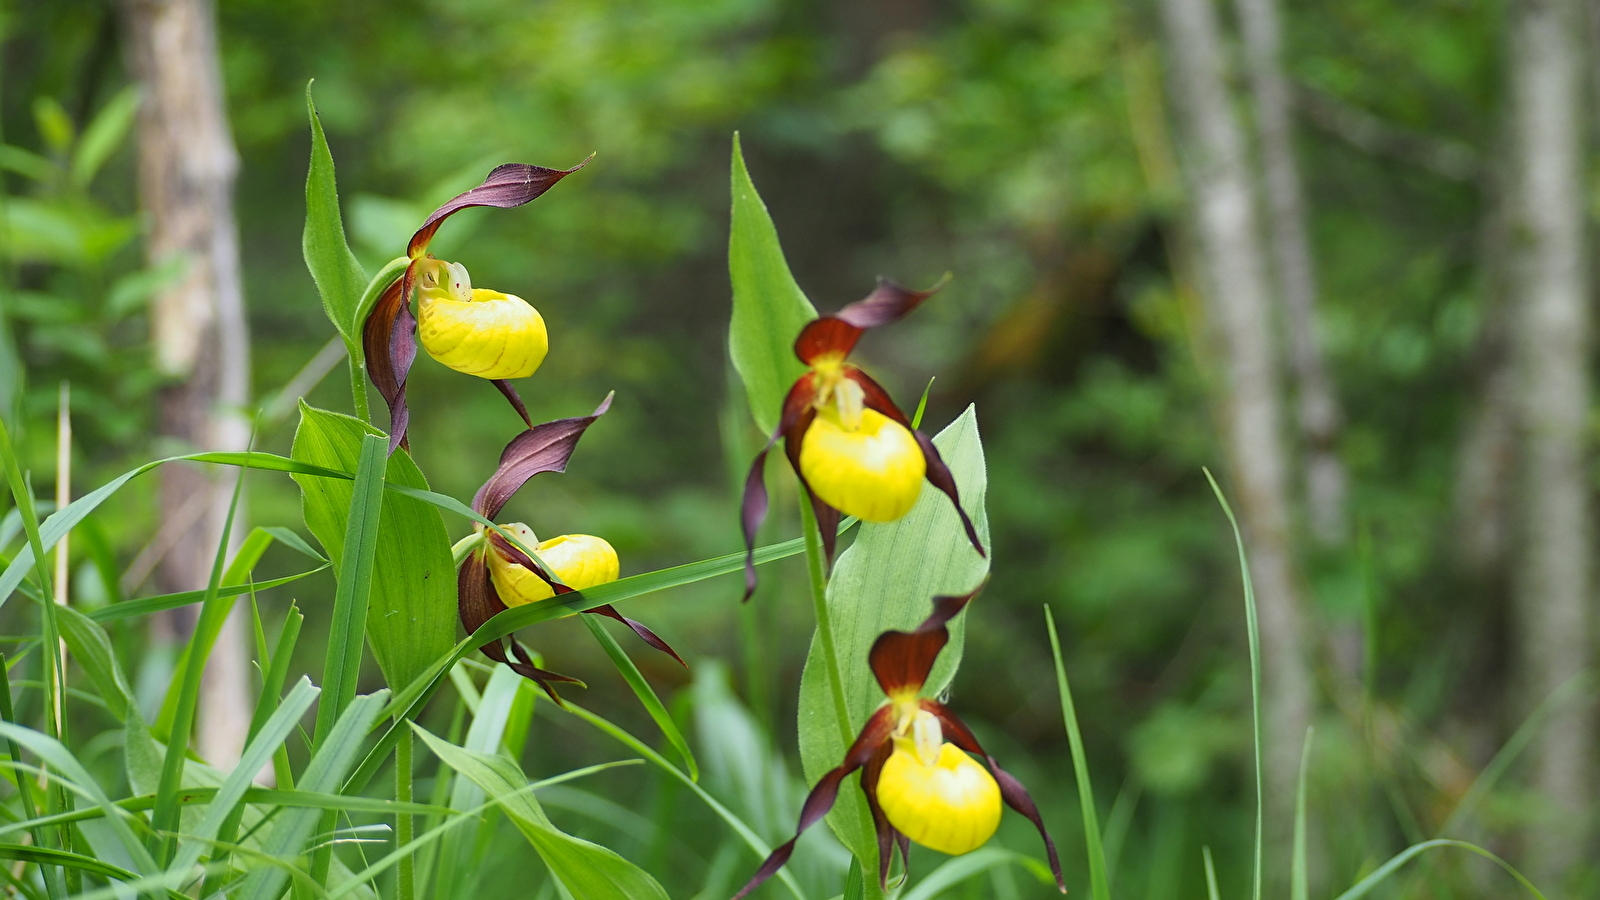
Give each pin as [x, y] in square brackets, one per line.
[796, 418]
[542, 448]
[839, 332]
[507, 186]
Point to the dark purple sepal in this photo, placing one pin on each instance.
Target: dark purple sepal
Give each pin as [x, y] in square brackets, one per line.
[509, 185]
[874, 397]
[939, 476]
[839, 332]
[901, 660]
[874, 734]
[477, 603]
[792, 424]
[542, 448]
[886, 833]
[1011, 790]
[388, 341]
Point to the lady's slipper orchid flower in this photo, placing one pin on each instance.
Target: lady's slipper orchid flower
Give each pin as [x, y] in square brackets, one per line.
[851, 446]
[498, 573]
[473, 330]
[919, 781]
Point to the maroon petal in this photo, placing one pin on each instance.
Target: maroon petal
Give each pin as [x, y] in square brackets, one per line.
[888, 837]
[939, 476]
[516, 401]
[839, 332]
[873, 396]
[512, 184]
[477, 603]
[389, 343]
[1011, 790]
[543, 677]
[542, 448]
[901, 660]
[873, 735]
[649, 636]
[796, 419]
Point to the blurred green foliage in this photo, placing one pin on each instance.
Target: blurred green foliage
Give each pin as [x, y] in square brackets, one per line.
[1021, 145]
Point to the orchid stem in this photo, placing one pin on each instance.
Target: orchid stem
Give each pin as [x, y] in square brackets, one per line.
[819, 603]
[358, 382]
[406, 878]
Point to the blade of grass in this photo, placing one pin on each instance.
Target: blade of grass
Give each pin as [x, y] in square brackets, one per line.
[54, 678]
[1211, 876]
[329, 765]
[348, 628]
[8, 714]
[745, 832]
[1099, 884]
[213, 612]
[267, 739]
[1253, 628]
[646, 694]
[1299, 876]
[1365, 885]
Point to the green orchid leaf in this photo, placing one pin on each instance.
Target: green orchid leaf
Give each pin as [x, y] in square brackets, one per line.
[339, 277]
[411, 612]
[584, 868]
[769, 309]
[887, 580]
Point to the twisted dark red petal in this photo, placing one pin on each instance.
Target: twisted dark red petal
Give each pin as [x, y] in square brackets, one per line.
[509, 185]
[388, 342]
[873, 735]
[876, 398]
[839, 332]
[542, 448]
[510, 552]
[648, 636]
[1011, 790]
[901, 660]
[477, 603]
[753, 508]
[887, 835]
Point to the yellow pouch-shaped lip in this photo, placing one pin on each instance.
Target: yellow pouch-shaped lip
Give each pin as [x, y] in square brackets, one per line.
[874, 472]
[952, 806]
[493, 335]
[578, 560]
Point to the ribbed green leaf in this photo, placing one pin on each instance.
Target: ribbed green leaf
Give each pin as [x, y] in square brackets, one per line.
[769, 309]
[411, 610]
[887, 580]
[339, 277]
[587, 870]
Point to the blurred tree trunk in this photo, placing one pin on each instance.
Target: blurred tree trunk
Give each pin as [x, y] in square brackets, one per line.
[1550, 343]
[1318, 410]
[1238, 306]
[187, 164]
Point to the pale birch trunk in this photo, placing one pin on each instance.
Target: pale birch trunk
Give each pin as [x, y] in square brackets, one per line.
[1239, 309]
[1318, 412]
[187, 164]
[1550, 344]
